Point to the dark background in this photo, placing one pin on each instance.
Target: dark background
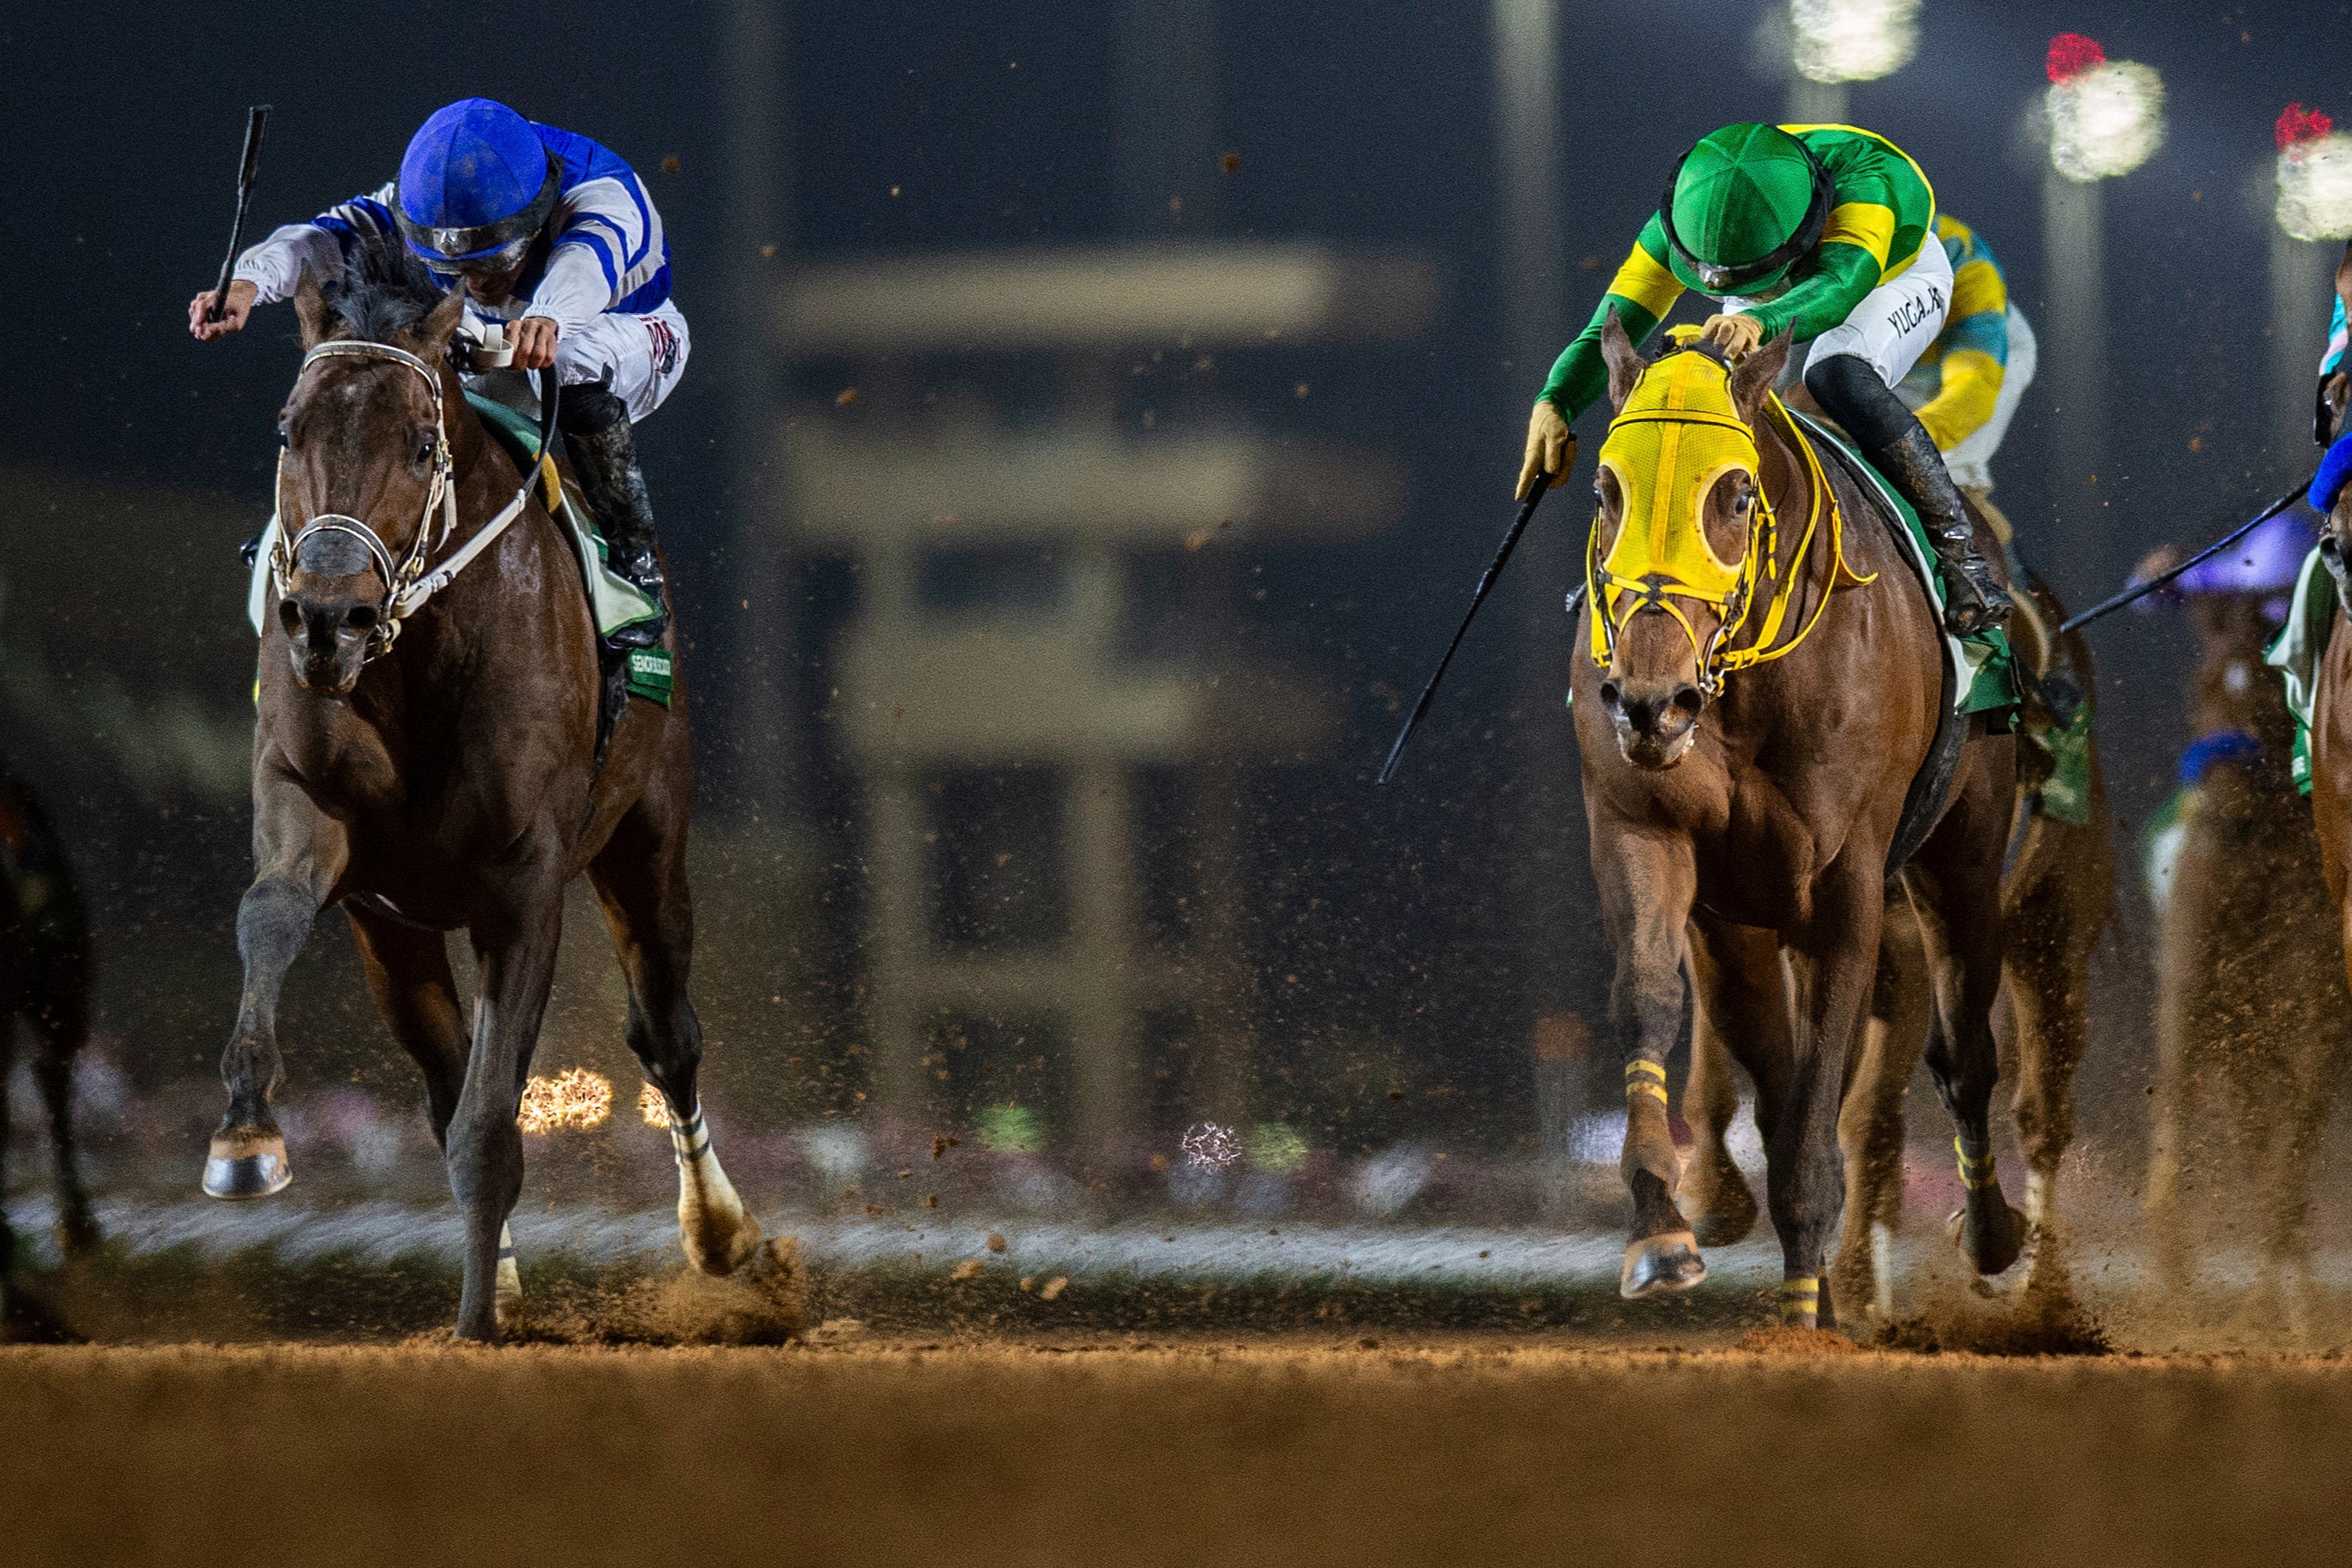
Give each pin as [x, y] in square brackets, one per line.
[1361, 123]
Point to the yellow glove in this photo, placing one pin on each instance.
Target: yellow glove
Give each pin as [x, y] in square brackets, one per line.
[1737, 336]
[1551, 446]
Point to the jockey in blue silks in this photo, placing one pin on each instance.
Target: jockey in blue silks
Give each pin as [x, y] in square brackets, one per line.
[552, 233]
[2337, 467]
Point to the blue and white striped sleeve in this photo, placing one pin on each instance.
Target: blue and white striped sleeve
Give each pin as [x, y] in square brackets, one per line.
[609, 252]
[2335, 341]
[275, 265]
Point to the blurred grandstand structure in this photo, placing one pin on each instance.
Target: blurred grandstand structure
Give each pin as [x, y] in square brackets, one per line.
[1046, 508]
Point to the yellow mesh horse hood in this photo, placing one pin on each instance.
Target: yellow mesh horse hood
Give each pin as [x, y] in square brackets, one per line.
[1677, 434]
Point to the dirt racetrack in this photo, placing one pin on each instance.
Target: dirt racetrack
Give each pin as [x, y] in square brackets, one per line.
[1119, 1453]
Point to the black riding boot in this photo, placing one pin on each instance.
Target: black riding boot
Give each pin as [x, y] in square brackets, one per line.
[604, 456]
[1893, 438]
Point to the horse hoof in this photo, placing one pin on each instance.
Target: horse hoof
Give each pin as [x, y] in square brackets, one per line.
[78, 1233]
[718, 1254]
[1722, 1209]
[1660, 1263]
[1987, 1232]
[247, 1165]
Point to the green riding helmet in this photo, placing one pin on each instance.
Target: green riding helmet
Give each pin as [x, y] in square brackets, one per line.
[1742, 208]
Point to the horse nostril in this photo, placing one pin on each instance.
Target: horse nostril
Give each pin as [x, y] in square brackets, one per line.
[290, 615]
[1686, 701]
[1610, 694]
[361, 617]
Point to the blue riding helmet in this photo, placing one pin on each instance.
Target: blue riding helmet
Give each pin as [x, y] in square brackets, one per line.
[476, 185]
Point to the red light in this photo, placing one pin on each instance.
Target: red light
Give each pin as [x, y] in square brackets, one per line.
[2072, 54]
[2299, 124]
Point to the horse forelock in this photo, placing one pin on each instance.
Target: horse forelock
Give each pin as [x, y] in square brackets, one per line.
[385, 294]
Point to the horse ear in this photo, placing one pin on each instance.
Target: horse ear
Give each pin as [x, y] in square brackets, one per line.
[1755, 374]
[311, 308]
[435, 331]
[1625, 362]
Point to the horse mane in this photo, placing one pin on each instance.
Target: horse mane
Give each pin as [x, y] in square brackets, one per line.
[385, 290]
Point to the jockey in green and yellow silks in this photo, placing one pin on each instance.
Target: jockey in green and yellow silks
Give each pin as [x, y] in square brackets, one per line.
[1968, 386]
[1826, 232]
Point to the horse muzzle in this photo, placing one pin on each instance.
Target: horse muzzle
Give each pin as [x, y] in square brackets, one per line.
[330, 638]
[1655, 721]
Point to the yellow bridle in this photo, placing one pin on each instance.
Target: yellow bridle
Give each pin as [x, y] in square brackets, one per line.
[1678, 433]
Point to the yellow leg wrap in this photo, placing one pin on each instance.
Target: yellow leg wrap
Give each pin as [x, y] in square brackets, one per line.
[1974, 1172]
[1800, 1302]
[1646, 1078]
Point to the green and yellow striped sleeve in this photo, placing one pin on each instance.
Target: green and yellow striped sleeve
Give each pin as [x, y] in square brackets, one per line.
[1642, 293]
[1974, 345]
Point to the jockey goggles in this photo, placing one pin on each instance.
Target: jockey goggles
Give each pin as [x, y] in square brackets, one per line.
[487, 248]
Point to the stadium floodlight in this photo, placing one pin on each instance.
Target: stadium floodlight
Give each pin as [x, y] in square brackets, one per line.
[2106, 117]
[2315, 177]
[1851, 40]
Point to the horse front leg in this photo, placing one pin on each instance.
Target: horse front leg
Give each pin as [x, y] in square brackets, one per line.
[1742, 1014]
[302, 853]
[516, 953]
[1647, 887]
[1837, 956]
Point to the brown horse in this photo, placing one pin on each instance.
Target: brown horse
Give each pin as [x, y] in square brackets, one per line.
[2252, 1004]
[45, 979]
[1743, 808]
[427, 760]
[2056, 897]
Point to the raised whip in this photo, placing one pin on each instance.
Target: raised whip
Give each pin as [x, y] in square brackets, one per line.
[1478, 597]
[2141, 590]
[247, 166]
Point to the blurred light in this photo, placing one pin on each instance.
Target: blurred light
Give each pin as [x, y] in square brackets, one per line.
[2315, 177]
[1276, 1146]
[2106, 117]
[1853, 40]
[1210, 1147]
[574, 1097]
[653, 1107]
[1010, 1130]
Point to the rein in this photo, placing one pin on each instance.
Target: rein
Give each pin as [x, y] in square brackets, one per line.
[408, 584]
[1617, 598]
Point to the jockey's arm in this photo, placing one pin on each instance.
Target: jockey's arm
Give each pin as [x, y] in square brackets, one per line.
[268, 273]
[1976, 354]
[1642, 293]
[1848, 263]
[603, 227]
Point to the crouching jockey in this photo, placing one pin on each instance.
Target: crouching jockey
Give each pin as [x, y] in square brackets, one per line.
[1825, 231]
[550, 232]
[1965, 388]
[2329, 427]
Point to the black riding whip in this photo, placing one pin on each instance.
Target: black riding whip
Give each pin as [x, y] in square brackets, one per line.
[1486, 581]
[2141, 590]
[249, 167]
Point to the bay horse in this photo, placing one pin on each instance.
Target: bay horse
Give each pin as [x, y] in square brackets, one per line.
[2057, 896]
[426, 757]
[2252, 1007]
[1753, 700]
[46, 974]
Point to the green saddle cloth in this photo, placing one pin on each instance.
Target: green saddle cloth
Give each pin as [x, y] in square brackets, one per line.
[616, 600]
[1984, 666]
[2296, 650]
